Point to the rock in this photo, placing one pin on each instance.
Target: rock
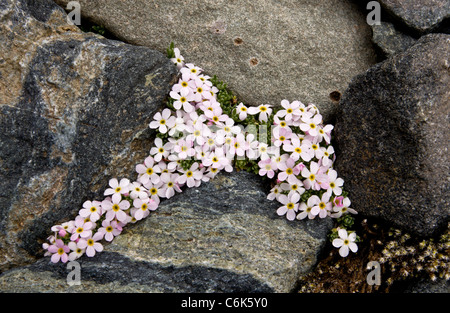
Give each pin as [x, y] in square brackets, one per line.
[74, 112]
[266, 51]
[224, 236]
[389, 40]
[441, 285]
[421, 16]
[392, 138]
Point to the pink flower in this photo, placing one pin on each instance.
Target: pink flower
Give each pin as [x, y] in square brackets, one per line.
[91, 210]
[325, 133]
[290, 206]
[338, 201]
[82, 229]
[305, 208]
[199, 133]
[91, 245]
[275, 193]
[64, 228]
[182, 86]
[170, 185]
[138, 191]
[115, 209]
[299, 149]
[289, 171]
[216, 159]
[216, 115]
[192, 70]
[342, 209]
[311, 125]
[76, 250]
[267, 167]
[293, 188]
[313, 176]
[148, 171]
[239, 147]
[192, 177]
[184, 148]
[110, 229]
[200, 90]
[59, 251]
[118, 189]
[282, 136]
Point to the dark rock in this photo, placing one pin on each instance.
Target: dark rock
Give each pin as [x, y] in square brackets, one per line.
[420, 16]
[74, 112]
[390, 40]
[429, 286]
[392, 138]
[223, 236]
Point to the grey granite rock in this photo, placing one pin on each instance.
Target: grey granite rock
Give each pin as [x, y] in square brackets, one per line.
[392, 138]
[390, 40]
[74, 110]
[223, 236]
[421, 16]
[266, 51]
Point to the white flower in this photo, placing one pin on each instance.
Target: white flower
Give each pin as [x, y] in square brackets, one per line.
[290, 109]
[343, 209]
[311, 125]
[264, 111]
[192, 177]
[290, 206]
[242, 110]
[160, 150]
[163, 121]
[182, 101]
[335, 182]
[178, 60]
[148, 171]
[345, 242]
[117, 189]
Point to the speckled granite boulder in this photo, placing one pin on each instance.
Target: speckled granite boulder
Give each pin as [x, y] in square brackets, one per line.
[421, 16]
[392, 138]
[266, 51]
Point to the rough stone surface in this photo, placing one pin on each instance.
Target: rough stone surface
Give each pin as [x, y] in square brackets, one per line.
[221, 237]
[389, 40]
[421, 16]
[265, 50]
[74, 110]
[392, 138]
[428, 286]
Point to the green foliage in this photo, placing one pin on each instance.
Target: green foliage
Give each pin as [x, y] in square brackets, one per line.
[170, 50]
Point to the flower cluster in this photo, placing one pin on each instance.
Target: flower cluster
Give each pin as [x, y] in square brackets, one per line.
[196, 139]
